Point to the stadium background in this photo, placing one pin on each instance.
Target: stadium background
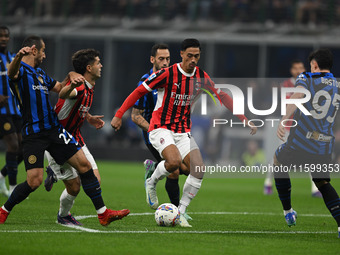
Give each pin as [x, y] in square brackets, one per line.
[240, 38]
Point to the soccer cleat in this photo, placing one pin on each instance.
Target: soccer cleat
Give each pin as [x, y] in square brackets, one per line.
[149, 168]
[3, 216]
[110, 215]
[151, 195]
[50, 179]
[183, 221]
[268, 190]
[317, 194]
[186, 216]
[3, 189]
[68, 220]
[291, 218]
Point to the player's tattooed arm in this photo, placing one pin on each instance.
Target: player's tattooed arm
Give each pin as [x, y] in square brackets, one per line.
[137, 118]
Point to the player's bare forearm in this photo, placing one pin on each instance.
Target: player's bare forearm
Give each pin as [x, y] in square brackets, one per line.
[67, 92]
[14, 66]
[137, 118]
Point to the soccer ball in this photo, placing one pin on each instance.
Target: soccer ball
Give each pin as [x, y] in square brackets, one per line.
[167, 215]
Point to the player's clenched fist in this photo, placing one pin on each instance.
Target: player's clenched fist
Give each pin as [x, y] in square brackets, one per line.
[116, 123]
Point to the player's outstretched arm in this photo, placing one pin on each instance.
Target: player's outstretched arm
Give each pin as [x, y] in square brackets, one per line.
[95, 120]
[75, 80]
[140, 91]
[14, 66]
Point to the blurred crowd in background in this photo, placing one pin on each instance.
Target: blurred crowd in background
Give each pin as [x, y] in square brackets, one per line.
[310, 12]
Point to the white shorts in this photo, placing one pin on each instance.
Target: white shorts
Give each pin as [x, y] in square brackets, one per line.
[66, 171]
[161, 138]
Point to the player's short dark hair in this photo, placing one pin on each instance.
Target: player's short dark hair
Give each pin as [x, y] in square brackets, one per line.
[296, 61]
[323, 57]
[190, 43]
[82, 58]
[4, 28]
[158, 46]
[31, 40]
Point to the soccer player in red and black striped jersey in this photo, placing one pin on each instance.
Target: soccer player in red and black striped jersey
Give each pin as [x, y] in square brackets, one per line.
[43, 132]
[170, 125]
[72, 109]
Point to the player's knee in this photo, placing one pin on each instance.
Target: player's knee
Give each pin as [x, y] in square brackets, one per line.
[84, 165]
[34, 183]
[174, 175]
[173, 164]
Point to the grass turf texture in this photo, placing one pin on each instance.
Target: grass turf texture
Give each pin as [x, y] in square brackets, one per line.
[122, 185]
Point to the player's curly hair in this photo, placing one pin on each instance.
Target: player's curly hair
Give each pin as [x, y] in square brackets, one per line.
[82, 58]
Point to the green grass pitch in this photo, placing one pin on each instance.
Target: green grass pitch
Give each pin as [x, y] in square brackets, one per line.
[247, 223]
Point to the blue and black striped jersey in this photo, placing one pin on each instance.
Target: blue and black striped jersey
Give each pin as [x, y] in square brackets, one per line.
[32, 91]
[147, 103]
[314, 133]
[11, 108]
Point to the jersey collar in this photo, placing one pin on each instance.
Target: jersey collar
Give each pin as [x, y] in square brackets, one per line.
[28, 66]
[88, 84]
[185, 73]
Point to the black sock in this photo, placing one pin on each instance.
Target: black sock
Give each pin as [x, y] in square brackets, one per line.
[4, 171]
[20, 157]
[283, 187]
[92, 188]
[12, 167]
[20, 193]
[332, 201]
[172, 187]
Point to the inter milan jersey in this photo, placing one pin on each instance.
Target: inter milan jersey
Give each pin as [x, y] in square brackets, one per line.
[11, 108]
[31, 88]
[146, 103]
[176, 91]
[314, 134]
[72, 111]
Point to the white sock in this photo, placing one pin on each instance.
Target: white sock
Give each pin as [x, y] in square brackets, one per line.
[159, 173]
[66, 203]
[190, 189]
[285, 212]
[269, 176]
[101, 210]
[1, 176]
[314, 188]
[11, 188]
[338, 229]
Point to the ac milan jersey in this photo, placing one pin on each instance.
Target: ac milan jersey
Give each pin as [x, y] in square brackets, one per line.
[72, 111]
[11, 108]
[176, 90]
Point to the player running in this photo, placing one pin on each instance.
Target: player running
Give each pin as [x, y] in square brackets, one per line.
[42, 131]
[141, 115]
[72, 109]
[169, 130]
[310, 143]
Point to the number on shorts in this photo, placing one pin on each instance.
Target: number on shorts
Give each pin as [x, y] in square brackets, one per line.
[66, 139]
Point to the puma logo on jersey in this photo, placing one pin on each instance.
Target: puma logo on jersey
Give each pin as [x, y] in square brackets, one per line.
[177, 84]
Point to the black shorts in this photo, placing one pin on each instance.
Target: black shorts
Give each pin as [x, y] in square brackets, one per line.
[316, 164]
[10, 124]
[57, 141]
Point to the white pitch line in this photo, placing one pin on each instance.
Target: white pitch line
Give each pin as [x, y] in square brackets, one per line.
[81, 217]
[165, 232]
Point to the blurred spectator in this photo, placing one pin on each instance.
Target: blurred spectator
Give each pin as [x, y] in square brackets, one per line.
[254, 156]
